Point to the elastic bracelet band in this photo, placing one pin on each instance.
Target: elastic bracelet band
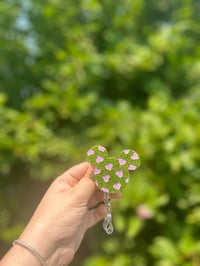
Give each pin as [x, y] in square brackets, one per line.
[32, 250]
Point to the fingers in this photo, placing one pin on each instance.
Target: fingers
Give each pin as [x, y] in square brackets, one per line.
[75, 173]
[95, 215]
[116, 195]
[98, 197]
[78, 171]
[80, 177]
[87, 191]
[84, 189]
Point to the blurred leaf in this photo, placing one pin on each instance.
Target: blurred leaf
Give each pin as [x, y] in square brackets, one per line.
[134, 227]
[124, 74]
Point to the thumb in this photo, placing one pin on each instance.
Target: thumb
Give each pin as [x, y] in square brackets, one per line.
[85, 188]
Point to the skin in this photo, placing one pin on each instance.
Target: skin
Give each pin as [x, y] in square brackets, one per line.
[61, 219]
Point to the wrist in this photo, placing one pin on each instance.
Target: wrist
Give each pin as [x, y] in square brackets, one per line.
[30, 249]
[36, 236]
[54, 252]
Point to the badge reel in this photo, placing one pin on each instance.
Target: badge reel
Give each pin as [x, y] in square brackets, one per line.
[111, 175]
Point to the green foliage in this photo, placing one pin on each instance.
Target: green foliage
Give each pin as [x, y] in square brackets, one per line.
[122, 74]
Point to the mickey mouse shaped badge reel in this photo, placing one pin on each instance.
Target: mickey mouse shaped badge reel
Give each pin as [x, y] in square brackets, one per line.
[111, 175]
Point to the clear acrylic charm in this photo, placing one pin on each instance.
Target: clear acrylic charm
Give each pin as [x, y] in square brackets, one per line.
[107, 224]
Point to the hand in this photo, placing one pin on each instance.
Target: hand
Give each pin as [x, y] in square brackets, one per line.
[64, 214]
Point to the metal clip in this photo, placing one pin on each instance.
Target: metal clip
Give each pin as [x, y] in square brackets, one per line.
[107, 224]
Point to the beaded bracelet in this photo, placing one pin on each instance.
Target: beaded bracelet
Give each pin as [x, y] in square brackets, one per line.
[31, 249]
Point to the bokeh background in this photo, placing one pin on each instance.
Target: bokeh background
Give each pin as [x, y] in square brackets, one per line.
[123, 74]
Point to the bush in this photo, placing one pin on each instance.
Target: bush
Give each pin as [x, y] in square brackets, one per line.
[121, 74]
